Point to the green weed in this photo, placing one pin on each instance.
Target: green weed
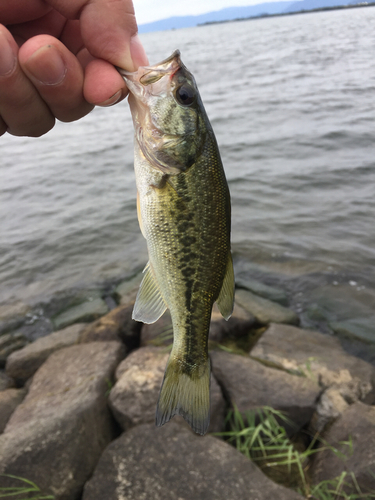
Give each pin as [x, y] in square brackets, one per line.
[17, 492]
[109, 387]
[261, 436]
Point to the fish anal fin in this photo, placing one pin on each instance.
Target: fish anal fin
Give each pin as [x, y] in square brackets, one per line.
[186, 394]
[225, 301]
[149, 304]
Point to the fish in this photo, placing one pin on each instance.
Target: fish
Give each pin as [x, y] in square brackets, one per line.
[184, 213]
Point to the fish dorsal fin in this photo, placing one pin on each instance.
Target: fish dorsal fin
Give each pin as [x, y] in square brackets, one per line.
[225, 301]
[149, 304]
[140, 221]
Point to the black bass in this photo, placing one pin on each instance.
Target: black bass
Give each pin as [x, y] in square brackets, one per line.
[184, 214]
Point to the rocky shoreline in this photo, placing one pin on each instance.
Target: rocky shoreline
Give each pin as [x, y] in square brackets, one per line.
[77, 405]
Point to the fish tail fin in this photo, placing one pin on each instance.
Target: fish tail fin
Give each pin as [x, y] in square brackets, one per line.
[186, 393]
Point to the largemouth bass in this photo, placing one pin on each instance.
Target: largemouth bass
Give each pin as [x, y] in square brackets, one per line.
[184, 214]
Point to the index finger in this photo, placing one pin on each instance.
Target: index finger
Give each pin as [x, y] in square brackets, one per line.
[108, 28]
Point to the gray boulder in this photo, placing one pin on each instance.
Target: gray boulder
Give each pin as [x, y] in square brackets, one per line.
[22, 364]
[9, 343]
[264, 310]
[249, 385]
[266, 291]
[81, 313]
[9, 400]
[357, 423]
[331, 404]
[56, 436]
[139, 377]
[343, 378]
[116, 325]
[358, 328]
[238, 325]
[6, 382]
[170, 463]
[12, 316]
[317, 355]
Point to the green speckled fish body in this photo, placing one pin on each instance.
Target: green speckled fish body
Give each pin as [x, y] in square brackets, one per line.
[184, 214]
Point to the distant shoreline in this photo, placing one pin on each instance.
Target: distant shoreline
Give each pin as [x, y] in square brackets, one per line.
[282, 14]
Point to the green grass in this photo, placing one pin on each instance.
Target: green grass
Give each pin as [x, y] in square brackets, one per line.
[110, 384]
[24, 486]
[334, 489]
[261, 436]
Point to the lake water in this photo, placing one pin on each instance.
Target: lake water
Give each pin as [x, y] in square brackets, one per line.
[292, 103]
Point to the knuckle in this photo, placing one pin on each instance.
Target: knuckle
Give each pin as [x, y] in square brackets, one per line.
[74, 114]
[32, 128]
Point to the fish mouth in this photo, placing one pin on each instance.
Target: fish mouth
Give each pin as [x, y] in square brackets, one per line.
[146, 84]
[146, 75]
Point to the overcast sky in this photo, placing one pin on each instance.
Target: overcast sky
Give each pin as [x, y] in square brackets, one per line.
[153, 10]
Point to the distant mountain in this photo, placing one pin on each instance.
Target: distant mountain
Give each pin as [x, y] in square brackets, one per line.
[227, 14]
[317, 4]
[231, 13]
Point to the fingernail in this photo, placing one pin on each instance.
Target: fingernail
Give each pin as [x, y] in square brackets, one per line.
[112, 100]
[137, 52]
[8, 58]
[47, 66]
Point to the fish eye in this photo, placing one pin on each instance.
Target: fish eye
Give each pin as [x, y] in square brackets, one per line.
[185, 95]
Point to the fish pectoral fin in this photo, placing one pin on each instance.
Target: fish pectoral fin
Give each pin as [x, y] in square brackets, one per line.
[225, 301]
[149, 304]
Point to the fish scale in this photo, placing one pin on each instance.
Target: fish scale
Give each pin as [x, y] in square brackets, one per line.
[184, 214]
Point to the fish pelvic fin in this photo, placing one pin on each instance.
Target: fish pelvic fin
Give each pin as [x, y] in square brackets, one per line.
[186, 393]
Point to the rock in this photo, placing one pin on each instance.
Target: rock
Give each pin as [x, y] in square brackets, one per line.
[264, 310]
[8, 311]
[22, 364]
[126, 292]
[340, 302]
[6, 382]
[357, 422]
[268, 292]
[12, 315]
[359, 349]
[171, 463]
[359, 328]
[316, 355]
[82, 313]
[249, 385]
[9, 400]
[134, 397]
[238, 325]
[56, 436]
[9, 343]
[116, 325]
[329, 406]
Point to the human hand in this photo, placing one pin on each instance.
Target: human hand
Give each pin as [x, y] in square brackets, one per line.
[57, 60]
